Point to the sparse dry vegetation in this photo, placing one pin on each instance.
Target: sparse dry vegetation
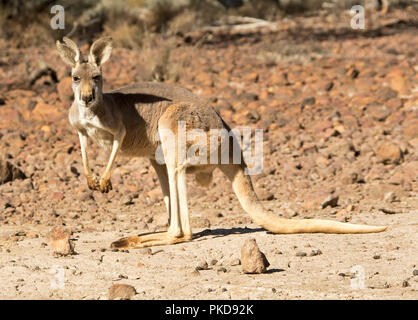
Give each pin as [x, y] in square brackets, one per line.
[127, 21]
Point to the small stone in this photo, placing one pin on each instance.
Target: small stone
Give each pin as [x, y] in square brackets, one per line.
[387, 211]
[415, 272]
[203, 265]
[390, 197]
[9, 172]
[308, 101]
[349, 178]
[320, 200]
[221, 270]
[121, 292]
[61, 243]
[145, 251]
[235, 262]
[32, 234]
[199, 222]
[405, 284]
[315, 253]
[213, 262]
[126, 200]
[388, 152]
[301, 254]
[331, 201]
[252, 259]
[376, 256]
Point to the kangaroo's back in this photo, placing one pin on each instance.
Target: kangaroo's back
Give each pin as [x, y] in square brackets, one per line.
[160, 91]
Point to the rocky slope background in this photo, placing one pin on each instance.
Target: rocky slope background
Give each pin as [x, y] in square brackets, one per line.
[339, 112]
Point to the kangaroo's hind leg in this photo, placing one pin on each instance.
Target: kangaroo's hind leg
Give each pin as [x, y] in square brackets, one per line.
[179, 229]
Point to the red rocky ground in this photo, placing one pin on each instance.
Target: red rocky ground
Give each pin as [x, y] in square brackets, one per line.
[339, 109]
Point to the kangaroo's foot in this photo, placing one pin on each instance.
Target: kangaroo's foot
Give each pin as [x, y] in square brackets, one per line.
[149, 240]
[105, 185]
[93, 182]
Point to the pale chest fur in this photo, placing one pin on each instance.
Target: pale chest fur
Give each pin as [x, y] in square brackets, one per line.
[91, 126]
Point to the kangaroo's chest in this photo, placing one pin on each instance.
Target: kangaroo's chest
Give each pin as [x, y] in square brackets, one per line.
[94, 129]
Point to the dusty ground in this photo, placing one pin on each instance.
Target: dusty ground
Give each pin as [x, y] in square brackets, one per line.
[339, 109]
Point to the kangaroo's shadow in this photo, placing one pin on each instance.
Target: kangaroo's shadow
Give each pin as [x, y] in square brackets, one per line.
[222, 232]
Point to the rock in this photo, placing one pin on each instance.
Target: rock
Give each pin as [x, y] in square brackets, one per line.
[155, 194]
[390, 197]
[310, 101]
[387, 211]
[349, 178]
[410, 128]
[264, 194]
[126, 200]
[32, 234]
[121, 292]
[253, 116]
[203, 265]
[399, 82]
[252, 259]
[199, 222]
[415, 272]
[46, 112]
[65, 91]
[235, 262]
[320, 200]
[378, 112]
[339, 148]
[221, 270]
[322, 162]
[315, 253]
[61, 243]
[213, 262]
[9, 172]
[301, 254]
[389, 153]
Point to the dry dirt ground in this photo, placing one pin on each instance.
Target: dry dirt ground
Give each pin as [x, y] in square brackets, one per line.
[339, 112]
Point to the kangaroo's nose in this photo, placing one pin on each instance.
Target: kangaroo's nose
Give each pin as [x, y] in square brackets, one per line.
[87, 98]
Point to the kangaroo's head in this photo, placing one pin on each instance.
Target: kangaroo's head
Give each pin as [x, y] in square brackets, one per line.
[86, 74]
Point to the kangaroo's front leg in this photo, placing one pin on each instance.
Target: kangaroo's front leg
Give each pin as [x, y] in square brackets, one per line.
[105, 184]
[92, 181]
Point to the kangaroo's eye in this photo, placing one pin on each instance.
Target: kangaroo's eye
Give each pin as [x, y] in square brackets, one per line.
[96, 78]
[76, 79]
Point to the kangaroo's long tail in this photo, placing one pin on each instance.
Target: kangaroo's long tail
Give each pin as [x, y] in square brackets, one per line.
[244, 190]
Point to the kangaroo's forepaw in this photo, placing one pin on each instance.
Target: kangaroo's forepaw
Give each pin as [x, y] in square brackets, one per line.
[105, 185]
[93, 182]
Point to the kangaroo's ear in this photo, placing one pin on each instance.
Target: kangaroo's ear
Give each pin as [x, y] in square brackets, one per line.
[100, 51]
[69, 52]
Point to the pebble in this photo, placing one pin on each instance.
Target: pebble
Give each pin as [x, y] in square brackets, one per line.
[221, 270]
[121, 292]
[315, 253]
[203, 265]
[301, 254]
